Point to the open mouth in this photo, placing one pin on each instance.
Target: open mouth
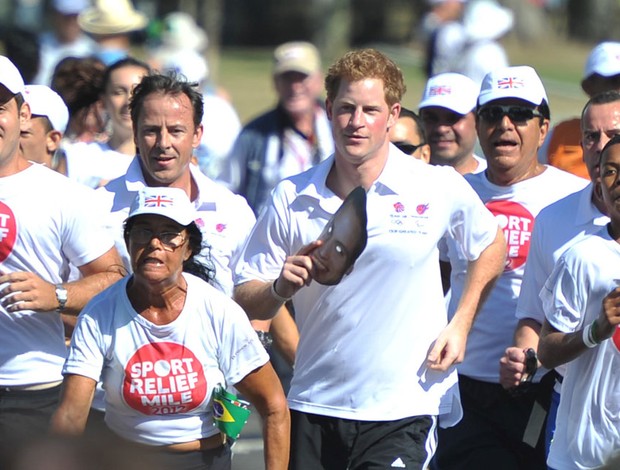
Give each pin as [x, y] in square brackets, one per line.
[505, 144]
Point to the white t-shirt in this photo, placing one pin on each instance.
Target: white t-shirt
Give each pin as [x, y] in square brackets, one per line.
[587, 431]
[47, 222]
[363, 343]
[557, 227]
[224, 218]
[482, 164]
[515, 208]
[159, 379]
[94, 163]
[221, 126]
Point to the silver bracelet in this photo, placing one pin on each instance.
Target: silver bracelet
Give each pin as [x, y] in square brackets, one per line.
[586, 336]
[277, 296]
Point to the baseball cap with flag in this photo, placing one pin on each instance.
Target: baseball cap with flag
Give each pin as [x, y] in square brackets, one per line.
[10, 76]
[453, 91]
[297, 56]
[521, 82]
[172, 203]
[46, 102]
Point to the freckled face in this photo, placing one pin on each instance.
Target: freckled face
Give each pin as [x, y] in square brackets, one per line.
[361, 119]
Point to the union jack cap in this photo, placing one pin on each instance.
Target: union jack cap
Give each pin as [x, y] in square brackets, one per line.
[453, 91]
[172, 203]
[521, 82]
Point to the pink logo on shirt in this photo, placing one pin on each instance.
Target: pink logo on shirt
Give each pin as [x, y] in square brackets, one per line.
[421, 209]
[164, 378]
[517, 223]
[8, 231]
[220, 228]
[399, 207]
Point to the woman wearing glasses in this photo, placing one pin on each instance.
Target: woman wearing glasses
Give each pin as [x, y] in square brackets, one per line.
[161, 340]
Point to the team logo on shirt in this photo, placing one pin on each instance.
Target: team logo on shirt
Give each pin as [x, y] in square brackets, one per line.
[517, 223]
[164, 378]
[409, 219]
[8, 231]
[220, 227]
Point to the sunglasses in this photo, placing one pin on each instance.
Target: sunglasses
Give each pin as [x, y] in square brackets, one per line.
[517, 114]
[170, 240]
[409, 149]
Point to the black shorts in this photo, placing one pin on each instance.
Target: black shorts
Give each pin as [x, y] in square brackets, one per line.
[495, 429]
[322, 442]
[24, 417]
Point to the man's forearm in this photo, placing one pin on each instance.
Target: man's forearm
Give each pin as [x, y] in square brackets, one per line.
[556, 348]
[481, 276]
[257, 299]
[81, 291]
[527, 334]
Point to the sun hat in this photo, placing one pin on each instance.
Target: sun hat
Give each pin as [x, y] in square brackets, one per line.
[296, 56]
[10, 76]
[70, 7]
[449, 90]
[186, 62]
[46, 102]
[180, 31]
[521, 82]
[486, 19]
[111, 17]
[172, 203]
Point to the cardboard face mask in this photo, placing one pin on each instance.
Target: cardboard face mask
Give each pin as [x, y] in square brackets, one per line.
[344, 239]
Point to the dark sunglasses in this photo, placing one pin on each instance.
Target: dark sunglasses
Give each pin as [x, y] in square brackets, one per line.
[409, 149]
[517, 114]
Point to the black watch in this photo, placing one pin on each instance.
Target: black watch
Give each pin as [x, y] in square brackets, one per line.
[265, 339]
[531, 364]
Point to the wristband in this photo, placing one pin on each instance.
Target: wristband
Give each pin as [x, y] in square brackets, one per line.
[277, 296]
[586, 336]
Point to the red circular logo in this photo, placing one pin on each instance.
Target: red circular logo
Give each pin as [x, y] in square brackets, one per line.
[8, 231]
[616, 338]
[164, 378]
[517, 223]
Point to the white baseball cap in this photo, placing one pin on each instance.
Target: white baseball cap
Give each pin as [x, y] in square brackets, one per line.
[172, 203]
[10, 76]
[453, 91]
[46, 102]
[521, 82]
[603, 60]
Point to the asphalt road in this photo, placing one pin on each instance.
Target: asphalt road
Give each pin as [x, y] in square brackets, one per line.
[248, 450]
